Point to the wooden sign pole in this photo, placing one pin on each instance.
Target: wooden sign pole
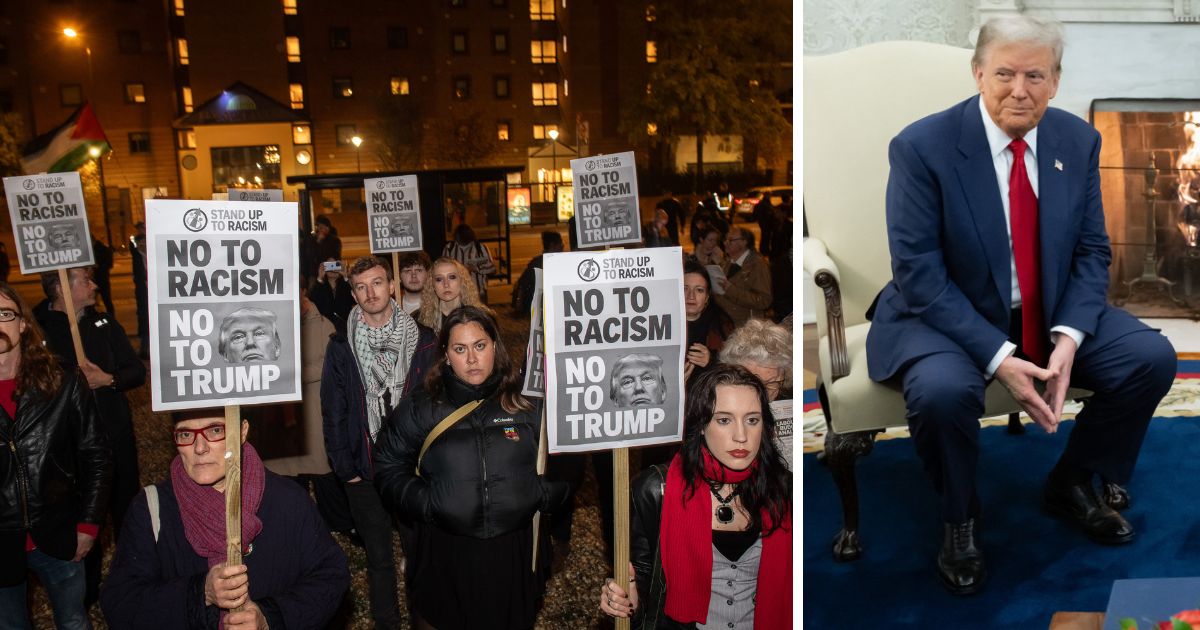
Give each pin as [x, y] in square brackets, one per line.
[541, 470]
[396, 276]
[233, 487]
[64, 285]
[620, 459]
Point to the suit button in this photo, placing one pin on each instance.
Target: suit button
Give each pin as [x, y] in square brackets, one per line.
[729, 602]
[733, 566]
[729, 583]
[730, 625]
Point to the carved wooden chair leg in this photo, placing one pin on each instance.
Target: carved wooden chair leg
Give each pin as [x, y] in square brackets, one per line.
[1014, 424]
[843, 452]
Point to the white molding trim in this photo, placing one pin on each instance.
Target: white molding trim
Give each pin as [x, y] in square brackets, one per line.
[1097, 11]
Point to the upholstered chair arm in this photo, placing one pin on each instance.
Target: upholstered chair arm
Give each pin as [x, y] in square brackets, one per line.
[826, 276]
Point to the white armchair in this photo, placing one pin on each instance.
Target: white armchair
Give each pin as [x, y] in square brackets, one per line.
[855, 102]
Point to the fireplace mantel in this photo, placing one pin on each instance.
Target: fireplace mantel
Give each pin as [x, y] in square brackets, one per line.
[1097, 11]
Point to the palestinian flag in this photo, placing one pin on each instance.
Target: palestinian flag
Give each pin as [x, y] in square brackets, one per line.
[66, 147]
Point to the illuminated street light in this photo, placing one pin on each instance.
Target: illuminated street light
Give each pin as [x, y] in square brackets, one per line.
[357, 142]
[553, 133]
[70, 32]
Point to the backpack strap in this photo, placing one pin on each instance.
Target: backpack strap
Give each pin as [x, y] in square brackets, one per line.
[442, 426]
[152, 504]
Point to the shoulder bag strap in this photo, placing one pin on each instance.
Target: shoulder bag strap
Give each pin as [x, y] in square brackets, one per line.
[152, 504]
[442, 426]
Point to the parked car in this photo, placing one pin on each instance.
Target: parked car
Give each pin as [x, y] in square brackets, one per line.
[745, 202]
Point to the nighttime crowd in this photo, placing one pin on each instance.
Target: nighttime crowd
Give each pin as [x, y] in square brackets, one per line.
[417, 428]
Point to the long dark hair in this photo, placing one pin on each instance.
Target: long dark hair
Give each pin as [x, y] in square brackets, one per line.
[767, 488]
[509, 390]
[39, 369]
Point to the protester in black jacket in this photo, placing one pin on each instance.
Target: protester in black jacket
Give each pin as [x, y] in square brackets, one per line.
[54, 471]
[476, 488]
[332, 295]
[111, 368]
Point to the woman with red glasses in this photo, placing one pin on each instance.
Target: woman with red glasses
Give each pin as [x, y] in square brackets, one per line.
[169, 569]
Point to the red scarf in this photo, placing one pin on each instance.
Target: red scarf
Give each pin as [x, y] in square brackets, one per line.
[685, 542]
[203, 508]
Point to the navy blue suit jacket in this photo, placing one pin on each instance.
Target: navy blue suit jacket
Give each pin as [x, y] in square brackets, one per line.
[952, 286]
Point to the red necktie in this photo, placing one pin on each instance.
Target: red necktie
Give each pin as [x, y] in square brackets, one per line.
[1023, 218]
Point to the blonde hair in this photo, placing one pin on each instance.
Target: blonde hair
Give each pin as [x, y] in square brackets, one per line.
[430, 313]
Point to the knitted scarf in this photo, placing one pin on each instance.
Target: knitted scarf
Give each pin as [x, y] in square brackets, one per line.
[203, 508]
[685, 543]
[384, 354]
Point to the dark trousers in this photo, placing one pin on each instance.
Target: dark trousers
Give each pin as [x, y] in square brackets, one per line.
[1128, 374]
[125, 486]
[570, 467]
[374, 525]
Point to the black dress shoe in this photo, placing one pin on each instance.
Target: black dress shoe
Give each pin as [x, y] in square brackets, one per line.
[1115, 495]
[1078, 503]
[960, 560]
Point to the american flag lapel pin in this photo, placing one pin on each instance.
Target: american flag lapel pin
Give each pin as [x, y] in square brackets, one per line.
[1058, 165]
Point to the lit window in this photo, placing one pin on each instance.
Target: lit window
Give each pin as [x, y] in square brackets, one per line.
[651, 51]
[399, 86]
[343, 87]
[502, 131]
[566, 84]
[301, 134]
[289, 7]
[293, 49]
[139, 142]
[500, 41]
[540, 131]
[541, 10]
[296, 94]
[650, 16]
[545, 94]
[179, 8]
[502, 87]
[462, 88]
[458, 42]
[186, 94]
[543, 51]
[181, 51]
[186, 138]
[564, 43]
[135, 92]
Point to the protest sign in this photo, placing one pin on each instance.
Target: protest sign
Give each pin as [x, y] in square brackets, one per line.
[614, 339]
[255, 194]
[782, 410]
[535, 358]
[606, 200]
[224, 303]
[393, 214]
[49, 221]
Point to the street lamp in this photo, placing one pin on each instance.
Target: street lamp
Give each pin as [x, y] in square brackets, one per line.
[357, 141]
[95, 153]
[553, 133]
[71, 33]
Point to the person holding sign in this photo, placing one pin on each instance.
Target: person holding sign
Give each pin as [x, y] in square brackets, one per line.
[331, 294]
[460, 458]
[368, 371]
[711, 535]
[169, 570]
[54, 472]
[449, 286]
[111, 367]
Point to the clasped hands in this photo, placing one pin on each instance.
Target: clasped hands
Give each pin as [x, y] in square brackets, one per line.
[1018, 377]
[229, 588]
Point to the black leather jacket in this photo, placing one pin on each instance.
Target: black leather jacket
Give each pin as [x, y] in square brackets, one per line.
[479, 478]
[646, 497]
[55, 472]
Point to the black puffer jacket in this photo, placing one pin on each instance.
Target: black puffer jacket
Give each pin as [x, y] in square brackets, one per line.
[55, 471]
[479, 478]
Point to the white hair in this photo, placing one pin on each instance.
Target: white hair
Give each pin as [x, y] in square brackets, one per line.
[1019, 29]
